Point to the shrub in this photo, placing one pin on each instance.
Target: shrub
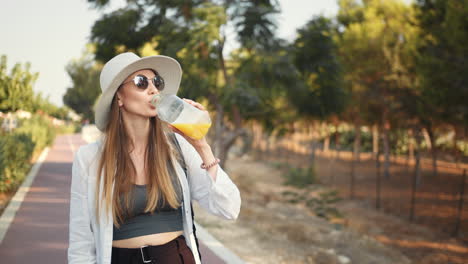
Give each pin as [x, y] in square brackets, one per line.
[67, 129]
[300, 177]
[40, 130]
[15, 152]
[346, 140]
[322, 206]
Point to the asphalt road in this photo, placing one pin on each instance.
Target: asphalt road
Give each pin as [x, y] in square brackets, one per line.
[39, 230]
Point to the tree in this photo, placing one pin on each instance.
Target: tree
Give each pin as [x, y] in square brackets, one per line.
[315, 56]
[194, 33]
[16, 88]
[320, 92]
[442, 56]
[43, 104]
[81, 97]
[375, 47]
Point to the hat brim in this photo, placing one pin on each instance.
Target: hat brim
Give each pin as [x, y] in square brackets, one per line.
[168, 68]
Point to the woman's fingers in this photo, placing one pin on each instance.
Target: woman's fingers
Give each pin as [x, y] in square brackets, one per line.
[176, 130]
[197, 105]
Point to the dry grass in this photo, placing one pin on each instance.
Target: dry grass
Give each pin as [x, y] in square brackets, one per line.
[272, 230]
[425, 240]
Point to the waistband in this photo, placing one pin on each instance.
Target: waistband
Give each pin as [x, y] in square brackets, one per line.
[152, 251]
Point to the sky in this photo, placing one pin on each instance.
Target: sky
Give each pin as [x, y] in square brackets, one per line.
[50, 33]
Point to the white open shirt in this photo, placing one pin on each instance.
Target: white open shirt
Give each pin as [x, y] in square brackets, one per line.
[92, 243]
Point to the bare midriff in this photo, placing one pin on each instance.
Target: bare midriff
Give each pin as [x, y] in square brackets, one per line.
[152, 240]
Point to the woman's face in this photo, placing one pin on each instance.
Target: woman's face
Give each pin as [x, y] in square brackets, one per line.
[135, 100]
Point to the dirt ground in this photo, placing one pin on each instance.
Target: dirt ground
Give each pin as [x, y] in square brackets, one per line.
[270, 229]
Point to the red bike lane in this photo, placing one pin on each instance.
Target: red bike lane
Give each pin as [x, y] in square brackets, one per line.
[39, 231]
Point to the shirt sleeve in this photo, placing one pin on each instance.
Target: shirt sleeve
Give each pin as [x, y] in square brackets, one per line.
[220, 197]
[81, 247]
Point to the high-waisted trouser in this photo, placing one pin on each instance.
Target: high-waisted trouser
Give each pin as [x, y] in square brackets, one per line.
[173, 252]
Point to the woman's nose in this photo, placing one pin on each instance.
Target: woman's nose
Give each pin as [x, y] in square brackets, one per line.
[152, 88]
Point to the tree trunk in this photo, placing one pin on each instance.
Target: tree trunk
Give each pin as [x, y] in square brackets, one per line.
[326, 144]
[431, 135]
[375, 140]
[219, 130]
[226, 143]
[337, 144]
[410, 144]
[357, 142]
[427, 138]
[456, 151]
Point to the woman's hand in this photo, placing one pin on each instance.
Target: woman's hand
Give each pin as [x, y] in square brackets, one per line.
[196, 143]
[200, 145]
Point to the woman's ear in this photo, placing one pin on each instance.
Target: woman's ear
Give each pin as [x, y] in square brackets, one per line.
[119, 100]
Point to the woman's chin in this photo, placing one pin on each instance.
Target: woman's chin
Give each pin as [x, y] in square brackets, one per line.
[152, 115]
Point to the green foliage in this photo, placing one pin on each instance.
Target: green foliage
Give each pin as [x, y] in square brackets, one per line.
[68, 128]
[252, 20]
[16, 87]
[377, 60]
[196, 36]
[129, 28]
[346, 140]
[81, 97]
[442, 58]
[400, 142]
[16, 150]
[199, 55]
[16, 91]
[321, 92]
[39, 130]
[376, 46]
[261, 87]
[41, 104]
[322, 205]
[300, 177]
[18, 147]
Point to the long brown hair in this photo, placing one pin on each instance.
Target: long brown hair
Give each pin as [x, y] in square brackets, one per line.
[116, 166]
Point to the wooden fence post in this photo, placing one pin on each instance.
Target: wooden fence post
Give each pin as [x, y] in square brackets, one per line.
[377, 184]
[415, 184]
[460, 204]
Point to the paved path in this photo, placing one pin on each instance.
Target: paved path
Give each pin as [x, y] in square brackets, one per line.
[39, 231]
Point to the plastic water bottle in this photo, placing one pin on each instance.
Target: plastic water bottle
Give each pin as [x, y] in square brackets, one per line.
[192, 121]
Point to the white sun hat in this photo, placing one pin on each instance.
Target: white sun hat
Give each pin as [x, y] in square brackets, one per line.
[116, 70]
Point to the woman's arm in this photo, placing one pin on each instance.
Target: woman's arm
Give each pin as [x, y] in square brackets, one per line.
[200, 145]
[213, 189]
[82, 248]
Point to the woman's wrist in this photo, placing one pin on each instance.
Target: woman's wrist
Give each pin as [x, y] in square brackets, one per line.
[205, 153]
[209, 160]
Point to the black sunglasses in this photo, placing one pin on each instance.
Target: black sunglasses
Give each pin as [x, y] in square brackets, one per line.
[141, 82]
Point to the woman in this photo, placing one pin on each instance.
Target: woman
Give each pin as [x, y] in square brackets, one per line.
[131, 190]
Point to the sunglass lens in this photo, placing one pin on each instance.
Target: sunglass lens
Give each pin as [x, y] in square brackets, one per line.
[158, 82]
[141, 81]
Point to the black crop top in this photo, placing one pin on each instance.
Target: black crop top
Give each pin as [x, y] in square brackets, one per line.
[164, 219]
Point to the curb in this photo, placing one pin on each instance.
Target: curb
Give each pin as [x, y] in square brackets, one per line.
[217, 247]
[9, 214]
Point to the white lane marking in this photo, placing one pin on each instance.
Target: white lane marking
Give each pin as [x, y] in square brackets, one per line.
[15, 203]
[71, 144]
[217, 247]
